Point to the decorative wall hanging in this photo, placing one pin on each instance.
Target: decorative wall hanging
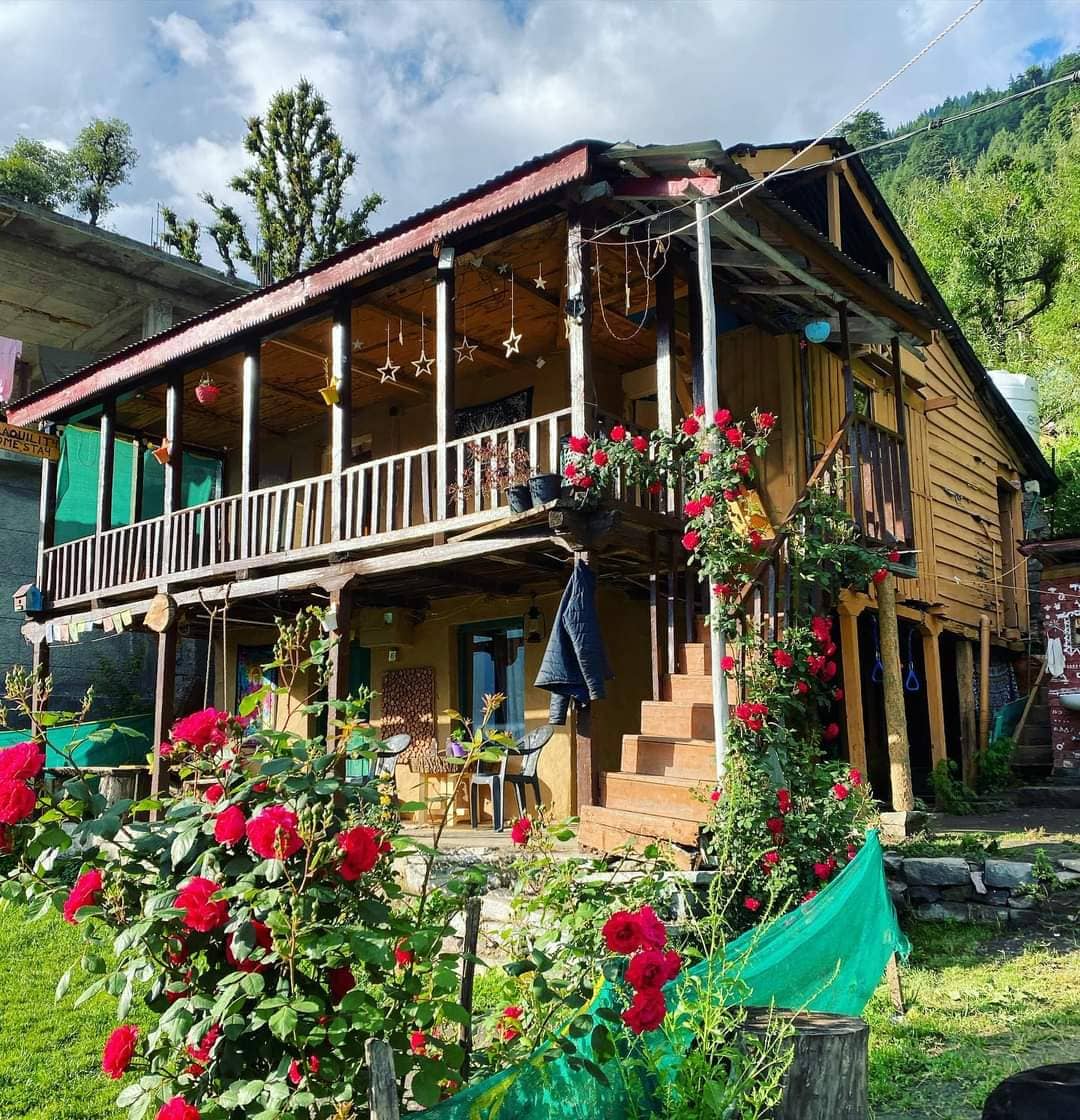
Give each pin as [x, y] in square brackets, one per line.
[512, 342]
[329, 392]
[499, 413]
[388, 371]
[540, 283]
[206, 392]
[464, 352]
[408, 707]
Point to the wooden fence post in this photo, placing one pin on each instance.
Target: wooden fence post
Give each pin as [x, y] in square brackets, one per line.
[470, 944]
[382, 1080]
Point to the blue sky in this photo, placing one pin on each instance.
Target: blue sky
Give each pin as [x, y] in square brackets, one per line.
[437, 95]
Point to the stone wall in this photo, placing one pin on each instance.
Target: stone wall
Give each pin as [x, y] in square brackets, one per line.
[956, 888]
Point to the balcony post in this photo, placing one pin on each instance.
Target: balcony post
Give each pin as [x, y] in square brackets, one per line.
[340, 413]
[106, 461]
[174, 468]
[444, 376]
[665, 347]
[901, 431]
[854, 468]
[579, 326]
[46, 518]
[711, 400]
[249, 439]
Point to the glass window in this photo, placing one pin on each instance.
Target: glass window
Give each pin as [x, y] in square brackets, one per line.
[492, 660]
[864, 400]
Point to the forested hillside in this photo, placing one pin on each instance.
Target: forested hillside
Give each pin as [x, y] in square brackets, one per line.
[992, 204]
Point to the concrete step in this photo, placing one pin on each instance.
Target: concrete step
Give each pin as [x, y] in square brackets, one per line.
[655, 794]
[679, 721]
[1049, 795]
[669, 757]
[694, 659]
[1034, 754]
[609, 829]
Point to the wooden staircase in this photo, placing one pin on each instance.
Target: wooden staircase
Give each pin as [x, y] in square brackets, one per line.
[652, 797]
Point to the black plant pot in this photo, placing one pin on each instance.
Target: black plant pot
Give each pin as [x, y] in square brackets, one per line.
[520, 499]
[544, 488]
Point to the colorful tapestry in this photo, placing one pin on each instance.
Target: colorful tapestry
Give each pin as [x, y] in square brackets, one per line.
[250, 677]
[493, 414]
[408, 708]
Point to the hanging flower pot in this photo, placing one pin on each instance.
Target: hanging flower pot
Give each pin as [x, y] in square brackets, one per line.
[161, 454]
[329, 394]
[206, 392]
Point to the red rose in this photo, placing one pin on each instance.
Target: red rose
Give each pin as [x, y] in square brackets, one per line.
[840, 791]
[829, 648]
[652, 969]
[722, 417]
[691, 540]
[229, 825]
[855, 776]
[831, 731]
[176, 1108]
[690, 426]
[260, 787]
[705, 458]
[214, 793]
[570, 470]
[639, 443]
[600, 458]
[201, 913]
[520, 832]
[838, 694]
[272, 833]
[802, 688]
[693, 508]
[715, 795]
[734, 437]
[765, 421]
[757, 541]
[263, 940]
[654, 487]
[783, 799]
[880, 575]
[782, 659]
[509, 1022]
[200, 1054]
[341, 981]
[647, 1011]
[362, 847]
[852, 852]
[116, 1057]
[622, 932]
[742, 464]
[829, 670]
[201, 729]
[22, 762]
[403, 957]
[730, 495]
[699, 410]
[707, 501]
[722, 590]
[752, 904]
[822, 870]
[809, 895]
[771, 857]
[583, 481]
[893, 556]
[617, 433]
[295, 1075]
[418, 1042]
[821, 628]
[579, 444]
[651, 930]
[17, 801]
[775, 825]
[727, 663]
[86, 892]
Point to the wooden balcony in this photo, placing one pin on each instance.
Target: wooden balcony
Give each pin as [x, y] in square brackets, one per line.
[386, 503]
[881, 487]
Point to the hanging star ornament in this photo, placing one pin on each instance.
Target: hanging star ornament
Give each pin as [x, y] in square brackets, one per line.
[357, 345]
[512, 341]
[465, 350]
[388, 371]
[423, 364]
[540, 283]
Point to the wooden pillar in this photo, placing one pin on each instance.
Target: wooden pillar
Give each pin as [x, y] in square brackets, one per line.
[806, 389]
[249, 439]
[46, 520]
[984, 684]
[665, 347]
[832, 191]
[711, 401]
[340, 413]
[445, 377]
[851, 665]
[935, 699]
[849, 409]
[106, 461]
[164, 705]
[138, 470]
[579, 325]
[693, 302]
[905, 462]
[584, 774]
[965, 685]
[174, 468]
[903, 796]
[655, 644]
[337, 684]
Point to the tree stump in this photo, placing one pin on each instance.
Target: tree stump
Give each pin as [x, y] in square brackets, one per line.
[827, 1076]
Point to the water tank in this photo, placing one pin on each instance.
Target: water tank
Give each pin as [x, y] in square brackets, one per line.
[1022, 394]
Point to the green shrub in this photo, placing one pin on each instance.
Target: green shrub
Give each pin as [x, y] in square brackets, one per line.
[993, 766]
[950, 794]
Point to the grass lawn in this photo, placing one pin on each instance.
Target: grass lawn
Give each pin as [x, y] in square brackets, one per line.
[980, 1006]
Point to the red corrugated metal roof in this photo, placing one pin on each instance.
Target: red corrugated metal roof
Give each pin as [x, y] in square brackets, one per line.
[530, 180]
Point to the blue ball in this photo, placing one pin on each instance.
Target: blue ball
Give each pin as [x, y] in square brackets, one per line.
[818, 330]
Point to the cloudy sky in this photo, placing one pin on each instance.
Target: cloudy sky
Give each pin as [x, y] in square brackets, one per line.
[435, 95]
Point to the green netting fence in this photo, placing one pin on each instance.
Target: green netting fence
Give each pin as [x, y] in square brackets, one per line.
[77, 479]
[827, 955]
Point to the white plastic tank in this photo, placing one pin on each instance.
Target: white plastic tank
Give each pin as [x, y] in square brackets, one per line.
[1022, 394]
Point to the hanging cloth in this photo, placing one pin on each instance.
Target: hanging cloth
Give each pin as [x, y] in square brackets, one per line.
[1055, 658]
[575, 664]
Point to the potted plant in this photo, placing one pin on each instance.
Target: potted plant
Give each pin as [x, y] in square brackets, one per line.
[500, 468]
[518, 493]
[206, 392]
[544, 488]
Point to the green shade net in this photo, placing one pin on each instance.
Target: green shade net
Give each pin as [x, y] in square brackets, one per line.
[826, 955]
[100, 743]
[77, 480]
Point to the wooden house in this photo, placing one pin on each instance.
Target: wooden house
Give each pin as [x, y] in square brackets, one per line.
[372, 411]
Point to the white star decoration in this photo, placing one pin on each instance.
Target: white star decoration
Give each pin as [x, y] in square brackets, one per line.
[512, 342]
[465, 350]
[540, 282]
[357, 345]
[387, 371]
[423, 364]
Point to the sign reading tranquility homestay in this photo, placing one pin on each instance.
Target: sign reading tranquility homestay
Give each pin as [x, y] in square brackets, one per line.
[26, 441]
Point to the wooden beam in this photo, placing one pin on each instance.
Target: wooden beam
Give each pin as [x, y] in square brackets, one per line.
[445, 394]
[698, 186]
[932, 404]
[753, 261]
[903, 796]
[832, 194]
[901, 430]
[579, 325]
[849, 408]
[340, 413]
[935, 697]
[851, 665]
[778, 290]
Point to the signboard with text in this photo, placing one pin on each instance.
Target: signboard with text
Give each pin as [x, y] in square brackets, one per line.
[27, 441]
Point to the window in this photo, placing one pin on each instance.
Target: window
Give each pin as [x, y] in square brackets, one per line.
[864, 400]
[492, 659]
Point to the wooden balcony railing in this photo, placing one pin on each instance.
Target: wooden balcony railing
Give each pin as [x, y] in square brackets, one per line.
[387, 500]
[881, 489]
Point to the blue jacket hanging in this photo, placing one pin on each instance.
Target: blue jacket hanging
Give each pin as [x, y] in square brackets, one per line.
[575, 665]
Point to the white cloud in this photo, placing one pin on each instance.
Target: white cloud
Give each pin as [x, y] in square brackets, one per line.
[185, 36]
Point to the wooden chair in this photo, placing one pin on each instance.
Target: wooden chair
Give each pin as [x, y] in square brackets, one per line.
[528, 749]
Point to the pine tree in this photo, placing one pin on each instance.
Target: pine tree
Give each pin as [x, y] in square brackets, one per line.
[101, 160]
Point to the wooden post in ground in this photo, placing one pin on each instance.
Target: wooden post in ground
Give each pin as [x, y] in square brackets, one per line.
[935, 699]
[340, 413]
[164, 705]
[984, 684]
[469, 945]
[849, 612]
[337, 684]
[382, 1080]
[585, 777]
[444, 378]
[578, 325]
[965, 685]
[903, 796]
[896, 989]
